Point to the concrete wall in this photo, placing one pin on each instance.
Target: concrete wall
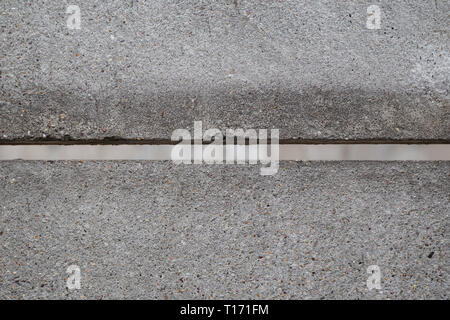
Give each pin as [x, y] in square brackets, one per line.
[141, 69]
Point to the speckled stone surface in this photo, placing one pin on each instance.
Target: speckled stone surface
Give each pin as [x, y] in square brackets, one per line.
[141, 69]
[156, 230]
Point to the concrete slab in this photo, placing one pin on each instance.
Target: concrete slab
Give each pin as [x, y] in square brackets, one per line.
[140, 69]
[156, 230]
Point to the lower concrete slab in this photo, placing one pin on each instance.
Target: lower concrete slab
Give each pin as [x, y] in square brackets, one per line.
[157, 230]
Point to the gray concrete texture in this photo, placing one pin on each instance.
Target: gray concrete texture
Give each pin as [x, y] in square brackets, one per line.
[140, 69]
[161, 231]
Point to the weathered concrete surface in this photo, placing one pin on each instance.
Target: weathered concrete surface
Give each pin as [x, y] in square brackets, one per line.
[157, 230]
[142, 69]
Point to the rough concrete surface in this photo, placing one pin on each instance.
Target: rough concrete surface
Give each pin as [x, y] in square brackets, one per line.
[158, 230]
[140, 69]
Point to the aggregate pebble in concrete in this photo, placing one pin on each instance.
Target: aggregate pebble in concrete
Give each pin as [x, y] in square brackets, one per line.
[156, 230]
[141, 69]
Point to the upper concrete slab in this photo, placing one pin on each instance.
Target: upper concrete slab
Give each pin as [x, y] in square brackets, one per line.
[140, 69]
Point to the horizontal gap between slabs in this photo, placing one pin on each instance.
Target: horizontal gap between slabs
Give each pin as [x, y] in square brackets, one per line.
[295, 152]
